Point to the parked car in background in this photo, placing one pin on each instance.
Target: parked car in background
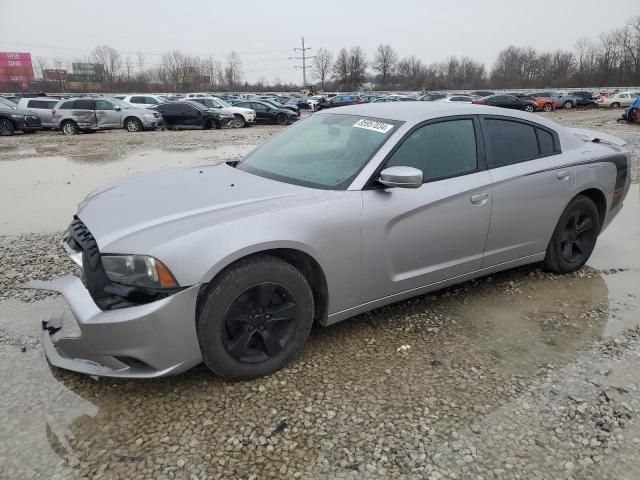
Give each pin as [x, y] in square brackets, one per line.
[233, 264]
[278, 104]
[544, 104]
[191, 96]
[189, 114]
[562, 99]
[430, 97]
[143, 100]
[507, 101]
[339, 101]
[583, 98]
[268, 113]
[457, 98]
[617, 100]
[41, 106]
[90, 114]
[482, 93]
[394, 98]
[11, 98]
[243, 117]
[15, 119]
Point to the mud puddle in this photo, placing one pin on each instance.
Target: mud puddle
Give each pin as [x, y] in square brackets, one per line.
[40, 194]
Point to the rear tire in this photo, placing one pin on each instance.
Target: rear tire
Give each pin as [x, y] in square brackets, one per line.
[6, 127]
[615, 105]
[568, 105]
[529, 108]
[281, 119]
[254, 318]
[574, 237]
[69, 127]
[547, 107]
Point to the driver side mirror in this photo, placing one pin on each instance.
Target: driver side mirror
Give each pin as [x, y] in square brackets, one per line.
[401, 177]
[118, 109]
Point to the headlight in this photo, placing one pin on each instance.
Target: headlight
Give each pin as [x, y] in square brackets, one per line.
[17, 116]
[138, 271]
[148, 115]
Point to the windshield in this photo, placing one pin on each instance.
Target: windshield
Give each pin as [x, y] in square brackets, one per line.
[7, 104]
[221, 102]
[324, 151]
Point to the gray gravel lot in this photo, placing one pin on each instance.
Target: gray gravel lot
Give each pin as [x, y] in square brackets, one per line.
[521, 375]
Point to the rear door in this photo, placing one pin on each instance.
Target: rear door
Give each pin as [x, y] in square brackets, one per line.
[106, 114]
[418, 237]
[530, 187]
[262, 112]
[84, 113]
[190, 115]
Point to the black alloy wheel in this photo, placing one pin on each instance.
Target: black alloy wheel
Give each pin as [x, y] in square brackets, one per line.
[258, 324]
[574, 237]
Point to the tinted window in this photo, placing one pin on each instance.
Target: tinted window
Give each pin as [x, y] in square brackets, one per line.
[67, 105]
[245, 105]
[545, 141]
[259, 107]
[440, 150]
[104, 105]
[85, 105]
[170, 108]
[150, 101]
[137, 100]
[36, 104]
[509, 142]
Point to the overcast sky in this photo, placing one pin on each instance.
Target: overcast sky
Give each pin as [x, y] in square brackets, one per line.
[265, 32]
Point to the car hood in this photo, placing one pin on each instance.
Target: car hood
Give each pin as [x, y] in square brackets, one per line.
[169, 203]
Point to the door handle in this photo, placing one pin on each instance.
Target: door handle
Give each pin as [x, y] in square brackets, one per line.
[563, 175]
[479, 198]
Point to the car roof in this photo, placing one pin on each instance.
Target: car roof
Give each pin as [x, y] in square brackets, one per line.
[415, 112]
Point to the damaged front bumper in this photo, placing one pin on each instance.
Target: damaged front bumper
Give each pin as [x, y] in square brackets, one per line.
[142, 341]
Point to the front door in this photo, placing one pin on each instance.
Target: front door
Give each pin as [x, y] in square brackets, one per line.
[418, 237]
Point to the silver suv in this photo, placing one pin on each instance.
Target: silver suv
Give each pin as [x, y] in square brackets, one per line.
[42, 107]
[89, 114]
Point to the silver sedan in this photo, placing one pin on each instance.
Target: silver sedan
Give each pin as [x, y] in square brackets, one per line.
[347, 211]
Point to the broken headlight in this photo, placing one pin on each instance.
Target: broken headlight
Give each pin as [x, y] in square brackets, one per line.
[138, 271]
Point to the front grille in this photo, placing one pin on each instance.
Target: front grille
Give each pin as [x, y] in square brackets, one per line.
[32, 120]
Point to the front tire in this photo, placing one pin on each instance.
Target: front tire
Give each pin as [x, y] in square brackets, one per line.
[568, 105]
[615, 105]
[6, 127]
[281, 119]
[574, 237]
[547, 107]
[254, 318]
[239, 121]
[133, 125]
[529, 108]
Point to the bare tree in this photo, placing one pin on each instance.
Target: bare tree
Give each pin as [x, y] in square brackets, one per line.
[341, 68]
[322, 65]
[385, 62]
[357, 67]
[233, 70]
[41, 65]
[108, 63]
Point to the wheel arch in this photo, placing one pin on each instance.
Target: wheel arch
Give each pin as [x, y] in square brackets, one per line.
[308, 266]
[129, 117]
[599, 199]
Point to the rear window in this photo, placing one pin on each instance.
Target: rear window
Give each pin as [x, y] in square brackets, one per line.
[509, 142]
[46, 104]
[85, 105]
[67, 105]
[545, 141]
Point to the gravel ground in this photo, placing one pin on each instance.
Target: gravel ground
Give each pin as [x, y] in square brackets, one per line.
[519, 375]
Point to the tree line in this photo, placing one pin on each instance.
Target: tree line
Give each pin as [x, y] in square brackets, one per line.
[611, 59]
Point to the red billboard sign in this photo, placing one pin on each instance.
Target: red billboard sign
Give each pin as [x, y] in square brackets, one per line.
[16, 64]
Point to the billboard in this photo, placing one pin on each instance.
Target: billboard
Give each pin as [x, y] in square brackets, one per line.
[55, 75]
[15, 67]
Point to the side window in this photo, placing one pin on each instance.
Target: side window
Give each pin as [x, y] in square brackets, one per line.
[137, 100]
[509, 142]
[85, 105]
[259, 107]
[104, 105]
[51, 103]
[150, 101]
[67, 105]
[545, 141]
[35, 104]
[440, 150]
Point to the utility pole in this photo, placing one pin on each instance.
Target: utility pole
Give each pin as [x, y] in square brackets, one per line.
[304, 59]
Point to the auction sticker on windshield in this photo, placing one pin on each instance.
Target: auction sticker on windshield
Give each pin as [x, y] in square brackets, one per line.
[379, 127]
